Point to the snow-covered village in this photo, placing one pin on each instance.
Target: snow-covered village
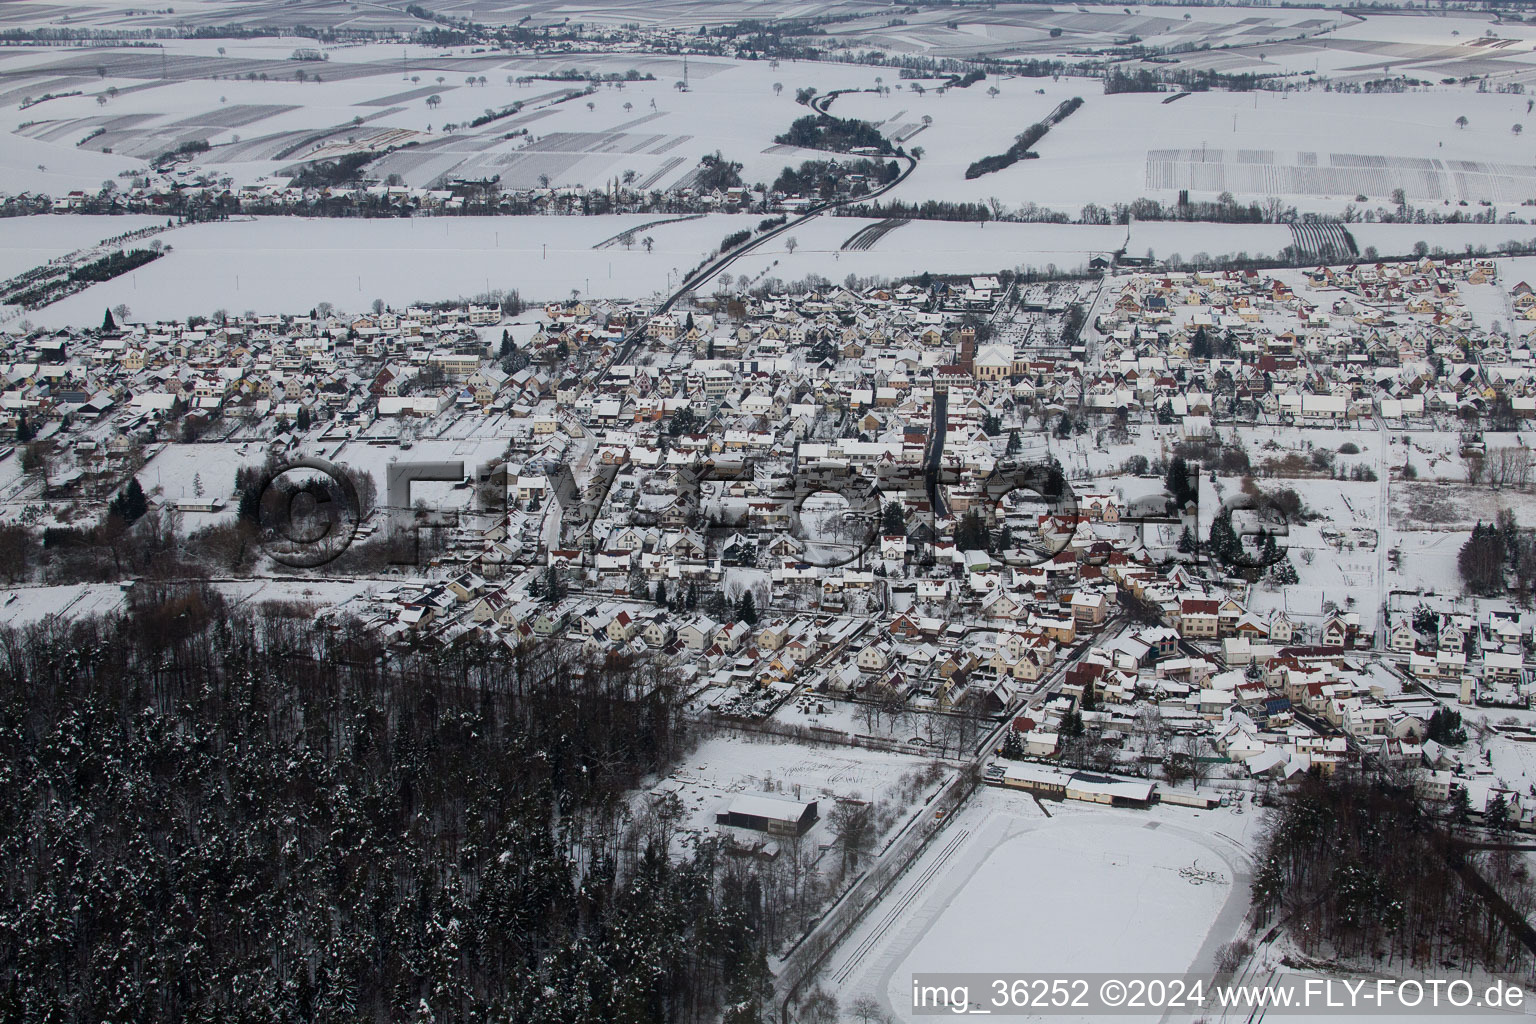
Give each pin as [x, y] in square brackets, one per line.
[741, 513]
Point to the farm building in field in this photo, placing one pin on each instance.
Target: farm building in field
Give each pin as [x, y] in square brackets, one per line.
[770, 814]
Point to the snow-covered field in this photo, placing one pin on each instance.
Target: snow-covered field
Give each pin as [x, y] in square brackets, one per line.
[1004, 888]
[1166, 240]
[730, 764]
[1315, 148]
[247, 101]
[1399, 239]
[288, 264]
[176, 471]
[947, 247]
[27, 242]
[25, 606]
[1309, 147]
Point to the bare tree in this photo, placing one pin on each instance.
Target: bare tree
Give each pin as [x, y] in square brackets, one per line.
[1474, 463]
[1148, 728]
[818, 1007]
[852, 822]
[1196, 748]
[867, 1010]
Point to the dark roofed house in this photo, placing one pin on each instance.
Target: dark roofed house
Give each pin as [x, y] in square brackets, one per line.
[771, 814]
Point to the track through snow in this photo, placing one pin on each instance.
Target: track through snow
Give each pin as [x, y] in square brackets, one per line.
[912, 892]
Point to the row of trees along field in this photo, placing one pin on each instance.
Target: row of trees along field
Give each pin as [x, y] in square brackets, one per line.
[220, 815]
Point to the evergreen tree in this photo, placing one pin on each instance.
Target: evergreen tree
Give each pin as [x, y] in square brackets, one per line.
[1013, 748]
[1200, 347]
[1186, 542]
[250, 505]
[554, 586]
[107, 323]
[682, 422]
[1460, 806]
[746, 608]
[1224, 544]
[893, 519]
[1284, 573]
[1178, 483]
[661, 594]
[138, 504]
[1497, 814]
[691, 600]
[1270, 548]
[971, 533]
[1014, 444]
[1055, 481]
[130, 504]
[1445, 728]
[24, 431]
[1072, 725]
[506, 344]
[303, 418]
[1481, 560]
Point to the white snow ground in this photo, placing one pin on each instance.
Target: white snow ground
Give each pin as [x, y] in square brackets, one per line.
[1004, 888]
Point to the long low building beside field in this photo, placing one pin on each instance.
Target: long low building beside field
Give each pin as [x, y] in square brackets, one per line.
[1044, 780]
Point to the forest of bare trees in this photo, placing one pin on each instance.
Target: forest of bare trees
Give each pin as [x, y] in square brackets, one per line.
[221, 814]
[1352, 866]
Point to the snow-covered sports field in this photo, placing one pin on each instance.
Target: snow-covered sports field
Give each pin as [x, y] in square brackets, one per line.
[1004, 888]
